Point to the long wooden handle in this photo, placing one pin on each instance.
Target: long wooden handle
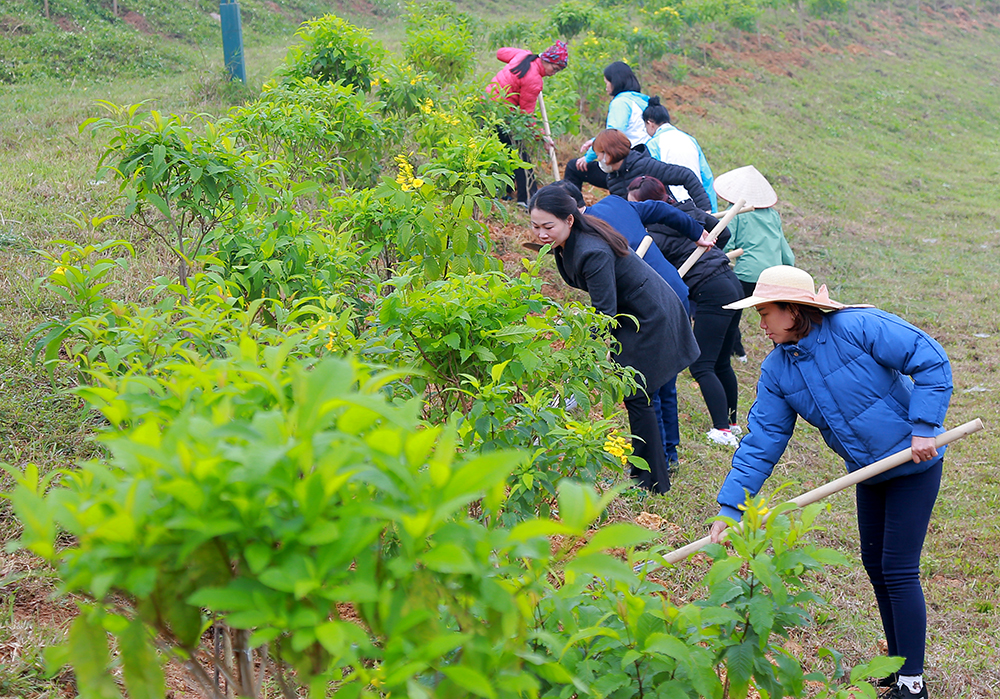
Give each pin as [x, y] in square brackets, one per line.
[699, 251]
[733, 254]
[862, 474]
[548, 132]
[644, 246]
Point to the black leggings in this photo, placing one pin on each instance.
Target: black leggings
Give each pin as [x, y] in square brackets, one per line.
[892, 520]
[592, 174]
[716, 330]
[646, 443]
[738, 349]
[524, 180]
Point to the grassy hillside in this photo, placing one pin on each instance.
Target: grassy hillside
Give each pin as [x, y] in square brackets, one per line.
[881, 134]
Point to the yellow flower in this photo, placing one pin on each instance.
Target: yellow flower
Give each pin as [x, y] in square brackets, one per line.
[59, 270]
[417, 183]
[618, 447]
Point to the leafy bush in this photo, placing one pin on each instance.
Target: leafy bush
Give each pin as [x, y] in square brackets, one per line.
[178, 185]
[827, 8]
[514, 33]
[323, 130]
[331, 49]
[402, 89]
[99, 51]
[570, 17]
[440, 40]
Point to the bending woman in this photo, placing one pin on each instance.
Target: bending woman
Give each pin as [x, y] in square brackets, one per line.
[520, 83]
[669, 144]
[657, 342]
[711, 285]
[873, 384]
[624, 164]
[624, 114]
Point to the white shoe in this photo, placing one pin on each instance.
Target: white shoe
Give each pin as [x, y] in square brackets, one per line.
[723, 437]
[736, 429]
[742, 358]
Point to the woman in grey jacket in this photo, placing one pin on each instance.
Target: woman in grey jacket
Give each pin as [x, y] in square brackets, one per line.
[873, 384]
[653, 331]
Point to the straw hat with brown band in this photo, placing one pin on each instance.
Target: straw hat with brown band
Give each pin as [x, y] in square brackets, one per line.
[788, 284]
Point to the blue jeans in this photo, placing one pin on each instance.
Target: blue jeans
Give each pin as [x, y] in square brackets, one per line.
[665, 405]
[892, 520]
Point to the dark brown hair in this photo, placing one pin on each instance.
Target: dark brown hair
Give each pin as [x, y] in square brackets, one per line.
[647, 187]
[805, 316]
[614, 143]
[558, 202]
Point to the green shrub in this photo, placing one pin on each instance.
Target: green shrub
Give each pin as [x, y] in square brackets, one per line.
[331, 49]
[322, 130]
[828, 8]
[570, 17]
[99, 51]
[402, 89]
[513, 33]
[178, 184]
[441, 40]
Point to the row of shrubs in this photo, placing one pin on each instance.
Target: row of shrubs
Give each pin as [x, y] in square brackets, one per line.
[340, 456]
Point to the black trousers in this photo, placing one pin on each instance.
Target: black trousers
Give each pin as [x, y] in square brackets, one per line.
[593, 174]
[646, 443]
[716, 330]
[738, 350]
[525, 185]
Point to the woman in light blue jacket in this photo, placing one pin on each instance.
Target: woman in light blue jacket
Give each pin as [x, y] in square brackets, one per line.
[624, 114]
[874, 385]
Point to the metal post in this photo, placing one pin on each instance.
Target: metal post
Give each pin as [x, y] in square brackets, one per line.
[232, 40]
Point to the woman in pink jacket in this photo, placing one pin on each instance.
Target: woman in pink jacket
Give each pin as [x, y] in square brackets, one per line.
[520, 83]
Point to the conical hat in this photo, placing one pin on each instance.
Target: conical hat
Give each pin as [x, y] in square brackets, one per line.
[748, 183]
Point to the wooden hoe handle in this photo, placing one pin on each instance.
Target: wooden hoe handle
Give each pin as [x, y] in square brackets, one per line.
[862, 474]
[548, 132]
[696, 255]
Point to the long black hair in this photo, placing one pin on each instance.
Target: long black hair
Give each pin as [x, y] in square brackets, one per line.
[656, 112]
[521, 69]
[622, 78]
[558, 202]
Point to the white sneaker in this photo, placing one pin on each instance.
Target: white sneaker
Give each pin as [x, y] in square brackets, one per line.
[736, 429]
[742, 358]
[723, 437]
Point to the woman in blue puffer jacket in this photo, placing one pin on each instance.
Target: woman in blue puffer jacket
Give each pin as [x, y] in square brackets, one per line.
[873, 384]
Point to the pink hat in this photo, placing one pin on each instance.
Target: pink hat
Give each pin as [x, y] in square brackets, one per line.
[557, 54]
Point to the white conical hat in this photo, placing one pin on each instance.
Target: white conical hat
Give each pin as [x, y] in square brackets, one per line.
[748, 183]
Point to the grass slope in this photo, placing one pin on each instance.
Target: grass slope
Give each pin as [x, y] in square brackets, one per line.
[882, 144]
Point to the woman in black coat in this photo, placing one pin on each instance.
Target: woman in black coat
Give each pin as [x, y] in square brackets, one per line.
[658, 342]
[622, 164]
[711, 286]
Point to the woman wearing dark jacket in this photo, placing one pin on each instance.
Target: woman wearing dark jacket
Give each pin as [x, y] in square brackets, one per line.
[873, 385]
[711, 285]
[622, 164]
[657, 342]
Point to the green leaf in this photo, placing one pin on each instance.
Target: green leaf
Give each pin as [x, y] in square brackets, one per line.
[88, 654]
[881, 666]
[619, 535]
[471, 680]
[537, 527]
[739, 665]
[143, 674]
[761, 610]
[449, 558]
